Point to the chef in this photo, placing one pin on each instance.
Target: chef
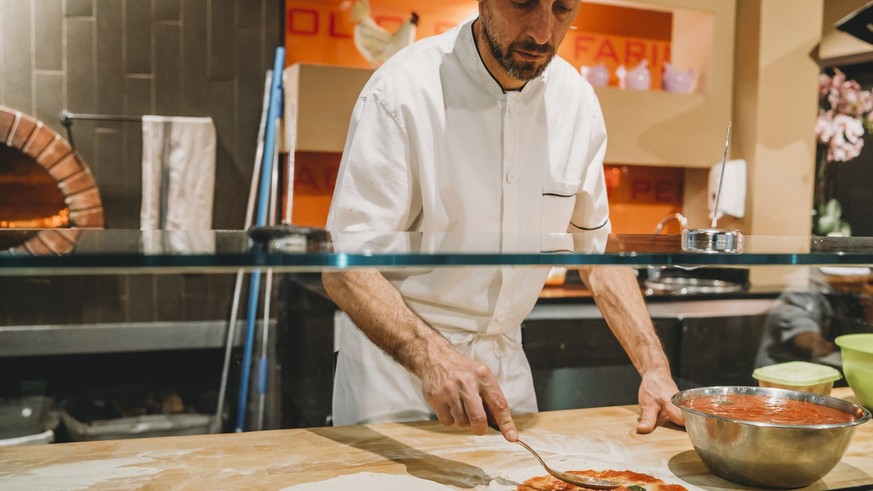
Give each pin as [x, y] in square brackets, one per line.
[483, 130]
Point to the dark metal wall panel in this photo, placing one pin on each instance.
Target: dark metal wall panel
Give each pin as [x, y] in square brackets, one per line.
[195, 51]
[143, 298]
[137, 100]
[249, 13]
[109, 157]
[251, 87]
[167, 10]
[234, 174]
[112, 299]
[304, 344]
[720, 350]
[82, 8]
[170, 290]
[132, 57]
[138, 36]
[48, 47]
[81, 77]
[579, 362]
[168, 69]
[274, 27]
[570, 343]
[110, 56]
[222, 38]
[204, 295]
[2, 47]
[49, 91]
[17, 74]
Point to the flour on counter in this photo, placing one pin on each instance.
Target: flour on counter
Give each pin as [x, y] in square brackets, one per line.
[371, 480]
[77, 475]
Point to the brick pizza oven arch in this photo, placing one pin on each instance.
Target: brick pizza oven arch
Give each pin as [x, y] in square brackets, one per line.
[75, 182]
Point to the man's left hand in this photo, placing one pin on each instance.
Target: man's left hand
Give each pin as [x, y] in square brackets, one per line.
[655, 392]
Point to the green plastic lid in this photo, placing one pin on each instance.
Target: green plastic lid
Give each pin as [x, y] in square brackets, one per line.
[799, 373]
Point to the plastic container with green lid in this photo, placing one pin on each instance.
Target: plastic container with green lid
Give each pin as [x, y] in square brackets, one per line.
[798, 375]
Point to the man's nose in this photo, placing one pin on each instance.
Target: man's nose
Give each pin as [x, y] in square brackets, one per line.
[541, 23]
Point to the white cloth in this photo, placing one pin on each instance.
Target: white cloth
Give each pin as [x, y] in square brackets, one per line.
[178, 173]
[435, 145]
[733, 192]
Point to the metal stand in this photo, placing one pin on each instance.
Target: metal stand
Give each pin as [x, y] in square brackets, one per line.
[712, 240]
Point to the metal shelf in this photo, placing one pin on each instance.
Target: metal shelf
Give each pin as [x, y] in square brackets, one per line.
[69, 339]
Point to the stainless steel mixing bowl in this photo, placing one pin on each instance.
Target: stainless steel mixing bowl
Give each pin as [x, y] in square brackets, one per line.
[767, 454]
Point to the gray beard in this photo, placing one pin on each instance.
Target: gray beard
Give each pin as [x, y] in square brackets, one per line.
[519, 70]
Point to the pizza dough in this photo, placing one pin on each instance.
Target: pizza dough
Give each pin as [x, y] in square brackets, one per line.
[371, 480]
[629, 480]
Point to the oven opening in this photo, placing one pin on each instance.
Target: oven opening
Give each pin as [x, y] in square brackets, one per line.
[31, 197]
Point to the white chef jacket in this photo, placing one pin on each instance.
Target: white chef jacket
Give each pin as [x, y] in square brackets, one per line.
[435, 145]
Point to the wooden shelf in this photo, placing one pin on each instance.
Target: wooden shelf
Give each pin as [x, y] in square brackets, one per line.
[679, 130]
[663, 129]
[318, 101]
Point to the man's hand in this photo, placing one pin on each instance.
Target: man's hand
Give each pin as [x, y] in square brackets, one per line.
[461, 391]
[464, 392]
[656, 390]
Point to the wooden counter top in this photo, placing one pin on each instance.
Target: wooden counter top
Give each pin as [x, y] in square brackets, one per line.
[421, 456]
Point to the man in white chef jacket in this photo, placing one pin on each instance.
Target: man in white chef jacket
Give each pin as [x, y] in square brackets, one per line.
[480, 129]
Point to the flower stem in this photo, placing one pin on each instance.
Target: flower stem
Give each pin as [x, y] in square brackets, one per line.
[821, 164]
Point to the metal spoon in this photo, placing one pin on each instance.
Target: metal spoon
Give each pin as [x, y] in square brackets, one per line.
[581, 481]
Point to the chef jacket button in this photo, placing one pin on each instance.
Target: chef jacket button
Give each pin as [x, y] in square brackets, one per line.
[510, 177]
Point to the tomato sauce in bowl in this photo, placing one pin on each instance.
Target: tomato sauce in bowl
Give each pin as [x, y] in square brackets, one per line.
[767, 437]
[766, 409]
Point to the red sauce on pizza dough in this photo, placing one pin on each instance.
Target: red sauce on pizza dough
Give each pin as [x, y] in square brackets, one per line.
[765, 409]
[628, 480]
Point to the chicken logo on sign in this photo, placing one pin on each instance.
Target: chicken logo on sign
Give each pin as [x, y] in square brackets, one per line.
[373, 41]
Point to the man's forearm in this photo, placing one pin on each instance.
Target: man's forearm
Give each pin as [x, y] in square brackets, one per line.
[378, 309]
[618, 296]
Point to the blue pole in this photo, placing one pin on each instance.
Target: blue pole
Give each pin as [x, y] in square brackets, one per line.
[261, 219]
[242, 401]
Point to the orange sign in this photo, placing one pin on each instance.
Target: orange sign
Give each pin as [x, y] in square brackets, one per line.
[321, 31]
[314, 179]
[640, 196]
[584, 49]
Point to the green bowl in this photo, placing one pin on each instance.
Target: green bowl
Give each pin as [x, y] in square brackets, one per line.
[857, 354]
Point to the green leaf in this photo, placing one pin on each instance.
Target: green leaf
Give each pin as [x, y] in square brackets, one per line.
[845, 229]
[826, 224]
[833, 208]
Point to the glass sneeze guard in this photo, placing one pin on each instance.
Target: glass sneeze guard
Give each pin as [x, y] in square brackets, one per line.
[24, 252]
